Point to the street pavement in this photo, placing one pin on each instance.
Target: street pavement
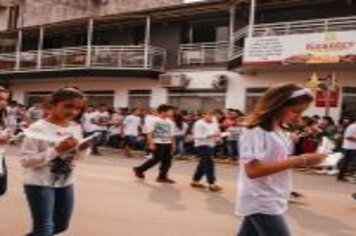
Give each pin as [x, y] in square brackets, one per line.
[111, 202]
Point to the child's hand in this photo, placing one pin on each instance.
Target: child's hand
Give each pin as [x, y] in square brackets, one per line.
[4, 139]
[85, 145]
[66, 145]
[314, 159]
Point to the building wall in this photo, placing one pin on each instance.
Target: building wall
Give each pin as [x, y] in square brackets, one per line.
[171, 31]
[120, 87]
[4, 16]
[235, 95]
[34, 10]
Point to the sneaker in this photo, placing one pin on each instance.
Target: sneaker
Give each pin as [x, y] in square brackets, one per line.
[138, 174]
[342, 179]
[322, 172]
[294, 194]
[332, 172]
[148, 156]
[165, 181]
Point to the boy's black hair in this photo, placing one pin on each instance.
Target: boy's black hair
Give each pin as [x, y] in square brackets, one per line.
[165, 108]
[65, 94]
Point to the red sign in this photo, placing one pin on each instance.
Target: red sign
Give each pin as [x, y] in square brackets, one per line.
[321, 98]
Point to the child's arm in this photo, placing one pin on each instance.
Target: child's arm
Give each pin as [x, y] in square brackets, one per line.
[256, 169]
[31, 157]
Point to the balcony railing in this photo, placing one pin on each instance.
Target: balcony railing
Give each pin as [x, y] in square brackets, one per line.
[306, 26]
[98, 57]
[204, 53]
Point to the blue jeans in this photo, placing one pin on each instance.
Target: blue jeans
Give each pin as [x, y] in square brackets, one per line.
[206, 164]
[264, 225]
[180, 144]
[233, 148]
[347, 164]
[51, 209]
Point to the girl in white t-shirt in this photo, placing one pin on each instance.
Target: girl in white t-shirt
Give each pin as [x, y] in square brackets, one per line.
[265, 150]
[49, 153]
[4, 139]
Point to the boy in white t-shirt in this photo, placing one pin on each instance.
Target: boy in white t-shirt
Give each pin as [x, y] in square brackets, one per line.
[160, 137]
[86, 121]
[131, 130]
[206, 134]
[349, 149]
[99, 121]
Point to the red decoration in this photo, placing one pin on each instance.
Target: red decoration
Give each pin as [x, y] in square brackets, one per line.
[322, 95]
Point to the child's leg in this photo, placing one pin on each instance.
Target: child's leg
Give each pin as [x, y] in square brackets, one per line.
[247, 228]
[152, 161]
[64, 200]
[165, 156]
[270, 224]
[200, 170]
[41, 203]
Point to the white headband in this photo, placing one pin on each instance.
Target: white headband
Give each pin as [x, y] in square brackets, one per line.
[301, 92]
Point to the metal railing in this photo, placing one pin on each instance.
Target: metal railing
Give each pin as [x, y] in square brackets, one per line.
[239, 42]
[204, 53]
[306, 26]
[100, 57]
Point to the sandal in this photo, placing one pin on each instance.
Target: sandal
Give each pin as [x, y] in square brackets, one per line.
[215, 188]
[197, 185]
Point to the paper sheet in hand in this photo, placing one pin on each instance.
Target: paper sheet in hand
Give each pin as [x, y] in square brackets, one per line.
[225, 134]
[87, 140]
[331, 160]
[1, 164]
[326, 147]
[84, 142]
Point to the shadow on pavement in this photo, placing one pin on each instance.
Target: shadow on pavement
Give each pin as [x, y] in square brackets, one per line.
[319, 223]
[166, 195]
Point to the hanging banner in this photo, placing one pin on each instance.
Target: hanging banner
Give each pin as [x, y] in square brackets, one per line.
[315, 48]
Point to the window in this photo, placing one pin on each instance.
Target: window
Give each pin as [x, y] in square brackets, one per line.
[139, 98]
[197, 100]
[252, 97]
[95, 98]
[14, 13]
[349, 101]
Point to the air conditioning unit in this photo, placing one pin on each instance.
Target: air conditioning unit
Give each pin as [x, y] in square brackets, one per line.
[221, 82]
[174, 80]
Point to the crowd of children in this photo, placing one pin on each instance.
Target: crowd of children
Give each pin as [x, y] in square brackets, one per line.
[267, 143]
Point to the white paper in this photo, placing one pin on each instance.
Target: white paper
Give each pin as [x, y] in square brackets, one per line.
[326, 147]
[225, 134]
[331, 160]
[1, 164]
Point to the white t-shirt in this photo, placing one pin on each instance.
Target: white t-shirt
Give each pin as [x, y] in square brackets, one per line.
[269, 194]
[234, 132]
[149, 119]
[116, 129]
[162, 130]
[201, 131]
[131, 125]
[97, 117]
[182, 131]
[35, 114]
[12, 116]
[38, 154]
[350, 131]
[86, 122]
